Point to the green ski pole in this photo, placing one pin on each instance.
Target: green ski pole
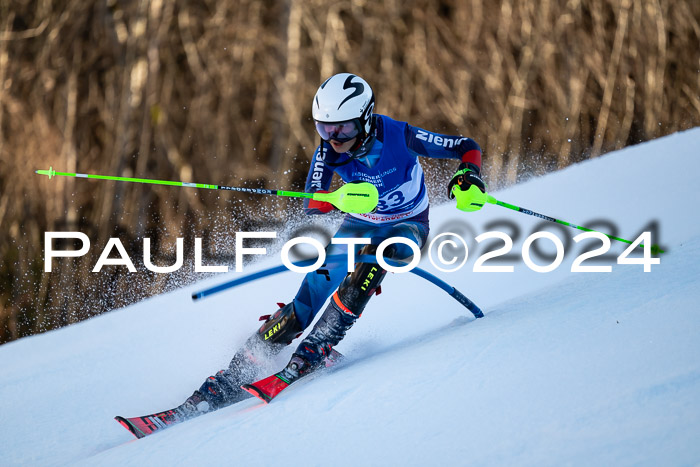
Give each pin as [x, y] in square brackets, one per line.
[490, 199]
[352, 197]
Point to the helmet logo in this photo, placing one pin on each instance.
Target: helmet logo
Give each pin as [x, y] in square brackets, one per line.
[365, 117]
[359, 89]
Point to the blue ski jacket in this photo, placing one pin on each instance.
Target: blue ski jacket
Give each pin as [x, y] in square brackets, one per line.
[397, 172]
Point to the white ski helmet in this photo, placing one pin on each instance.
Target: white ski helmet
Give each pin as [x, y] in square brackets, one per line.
[342, 108]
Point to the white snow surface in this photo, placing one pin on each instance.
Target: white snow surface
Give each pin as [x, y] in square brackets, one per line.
[565, 368]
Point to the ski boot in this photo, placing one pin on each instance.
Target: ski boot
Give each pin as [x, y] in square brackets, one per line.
[224, 388]
[345, 307]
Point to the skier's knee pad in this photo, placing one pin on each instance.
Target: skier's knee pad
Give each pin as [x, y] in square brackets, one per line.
[358, 287]
[281, 328]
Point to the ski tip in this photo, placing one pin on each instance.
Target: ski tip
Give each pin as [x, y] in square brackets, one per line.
[132, 429]
[257, 392]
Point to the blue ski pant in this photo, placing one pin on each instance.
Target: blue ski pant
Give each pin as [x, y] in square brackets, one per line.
[318, 285]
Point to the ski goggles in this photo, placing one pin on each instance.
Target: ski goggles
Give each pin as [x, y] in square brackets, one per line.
[340, 131]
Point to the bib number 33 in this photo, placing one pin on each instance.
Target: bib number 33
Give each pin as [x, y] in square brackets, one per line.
[393, 199]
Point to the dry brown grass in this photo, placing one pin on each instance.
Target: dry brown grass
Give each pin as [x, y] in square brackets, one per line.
[219, 92]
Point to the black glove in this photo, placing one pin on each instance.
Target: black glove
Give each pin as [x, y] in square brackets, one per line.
[466, 176]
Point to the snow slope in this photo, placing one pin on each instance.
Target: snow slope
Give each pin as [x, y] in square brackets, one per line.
[565, 368]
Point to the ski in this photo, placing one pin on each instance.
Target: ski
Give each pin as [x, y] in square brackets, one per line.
[149, 424]
[144, 426]
[268, 388]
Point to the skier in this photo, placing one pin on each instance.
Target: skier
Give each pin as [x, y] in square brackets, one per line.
[358, 145]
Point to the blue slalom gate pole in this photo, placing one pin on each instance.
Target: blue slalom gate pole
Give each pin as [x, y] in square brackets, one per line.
[451, 291]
